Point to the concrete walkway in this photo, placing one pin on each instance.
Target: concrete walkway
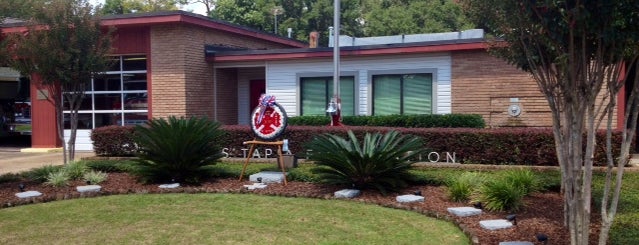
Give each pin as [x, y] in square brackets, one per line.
[13, 160]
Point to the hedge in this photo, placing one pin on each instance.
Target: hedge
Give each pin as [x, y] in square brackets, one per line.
[518, 146]
[406, 121]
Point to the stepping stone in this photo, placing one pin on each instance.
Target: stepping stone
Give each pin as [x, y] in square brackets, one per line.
[347, 193]
[88, 188]
[516, 243]
[28, 194]
[255, 186]
[268, 177]
[170, 186]
[464, 211]
[410, 198]
[495, 224]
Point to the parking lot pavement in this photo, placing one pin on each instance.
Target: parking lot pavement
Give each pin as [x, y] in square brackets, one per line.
[14, 161]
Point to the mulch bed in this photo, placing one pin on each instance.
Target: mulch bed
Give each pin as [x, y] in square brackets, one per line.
[542, 212]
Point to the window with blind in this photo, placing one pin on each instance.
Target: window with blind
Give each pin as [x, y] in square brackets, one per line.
[399, 94]
[316, 92]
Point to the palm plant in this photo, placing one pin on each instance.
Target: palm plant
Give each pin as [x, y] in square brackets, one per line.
[380, 161]
[177, 149]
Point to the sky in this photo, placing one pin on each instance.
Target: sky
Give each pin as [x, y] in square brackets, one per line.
[195, 7]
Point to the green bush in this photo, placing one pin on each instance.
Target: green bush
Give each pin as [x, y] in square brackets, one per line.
[41, 174]
[113, 141]
[9, 177]
[75, 170]
[501, 195]
[523, 179]
[176, 149]
[408, 121]
[461, 188]
[380, 161]
[57, 179]
[94, 177]
[112, 166]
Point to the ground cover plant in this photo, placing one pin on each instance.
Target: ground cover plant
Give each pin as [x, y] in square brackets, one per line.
[379, 161]
[177, 149]
[219, 218]
[541, 212]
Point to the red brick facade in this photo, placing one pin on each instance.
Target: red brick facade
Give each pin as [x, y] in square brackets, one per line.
[485, 85]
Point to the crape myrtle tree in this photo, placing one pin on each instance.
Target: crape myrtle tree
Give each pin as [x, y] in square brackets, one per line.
[62, 48]
[578, 52]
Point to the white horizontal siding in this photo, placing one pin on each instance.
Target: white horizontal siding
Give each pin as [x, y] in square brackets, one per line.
[282, 76]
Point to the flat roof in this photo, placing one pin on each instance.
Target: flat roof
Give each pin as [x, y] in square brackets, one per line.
[213, 54]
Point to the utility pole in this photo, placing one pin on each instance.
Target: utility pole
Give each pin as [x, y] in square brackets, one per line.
[335, 106]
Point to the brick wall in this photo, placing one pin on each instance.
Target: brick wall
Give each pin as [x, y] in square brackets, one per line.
[226, 92]
[486, 85]
[183, 81]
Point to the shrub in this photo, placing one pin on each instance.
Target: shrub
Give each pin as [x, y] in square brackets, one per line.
[75, 170]
[408, 121]
[94, 177]
[41, 174]
[501, 195]
[57, 179]
[461, 188]
[111, 166]
[9, 177]
[113, 141]
[380, 161]
[176, 149]
[523, 179]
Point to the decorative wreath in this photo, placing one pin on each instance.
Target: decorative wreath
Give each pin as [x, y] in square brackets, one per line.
[268, 119]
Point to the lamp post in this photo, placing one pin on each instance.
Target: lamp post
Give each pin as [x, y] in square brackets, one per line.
[335, 106]
[277, 10]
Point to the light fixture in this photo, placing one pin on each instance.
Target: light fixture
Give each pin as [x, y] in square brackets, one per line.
[478, 205]
[541, 237]
[417, 193]
[21, 187]
[512, 218]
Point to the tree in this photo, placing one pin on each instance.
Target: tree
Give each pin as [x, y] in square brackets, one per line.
[208, 4]
[63, 48]
[387, 17]
[576, 52]
[140, 6]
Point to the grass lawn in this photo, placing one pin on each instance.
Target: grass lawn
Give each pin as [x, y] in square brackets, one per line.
[218, 219]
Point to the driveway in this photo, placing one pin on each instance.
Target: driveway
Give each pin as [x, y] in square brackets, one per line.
[14, 161]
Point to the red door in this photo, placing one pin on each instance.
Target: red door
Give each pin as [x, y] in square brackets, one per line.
[257, 87]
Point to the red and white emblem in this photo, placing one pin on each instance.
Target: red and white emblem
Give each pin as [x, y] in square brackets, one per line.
[268, 119]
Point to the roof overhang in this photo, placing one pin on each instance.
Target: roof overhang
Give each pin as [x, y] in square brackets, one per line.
[177, 17]
[300, 53]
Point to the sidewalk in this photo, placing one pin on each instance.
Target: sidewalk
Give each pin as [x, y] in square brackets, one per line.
[14, 161]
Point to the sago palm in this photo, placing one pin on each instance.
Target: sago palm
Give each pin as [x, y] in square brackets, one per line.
[177, 148]
[379, 161]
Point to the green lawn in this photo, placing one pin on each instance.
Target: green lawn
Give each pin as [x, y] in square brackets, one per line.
[219, 219]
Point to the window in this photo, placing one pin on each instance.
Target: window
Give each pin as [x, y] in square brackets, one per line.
[316, 92]
[403, 94]
[119, 97]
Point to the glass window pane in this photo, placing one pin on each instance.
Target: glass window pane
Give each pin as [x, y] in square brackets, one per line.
[386, 95]
[84, 105]
[418, 92]
[115, 66]
[109, 82]
[135, 118]
[85, 121]
[135, 101]
[134, 81]
[107, 119]
[108, 101]
[133, 63]
[346, 94]
[313, 96]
